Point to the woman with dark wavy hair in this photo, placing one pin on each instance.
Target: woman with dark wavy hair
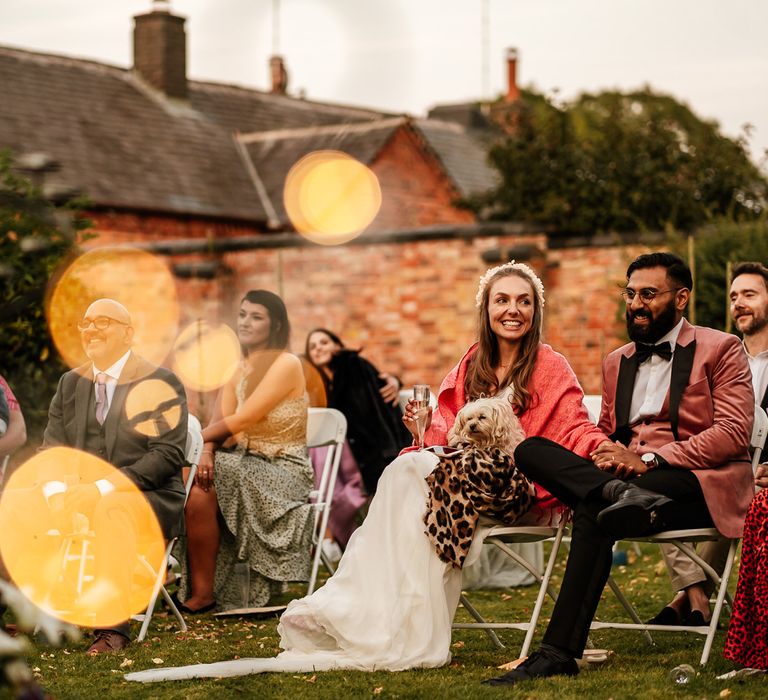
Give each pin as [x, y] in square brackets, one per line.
[249, 525]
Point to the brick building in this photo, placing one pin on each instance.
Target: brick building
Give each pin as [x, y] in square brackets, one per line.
[194, 171]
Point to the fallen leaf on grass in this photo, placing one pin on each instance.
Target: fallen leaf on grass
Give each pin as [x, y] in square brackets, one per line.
[458, 645]
[725, 692]
[126, 662]
[377, 691]
[506, 596]
[312, 679]
[660, 568]
[157, 661]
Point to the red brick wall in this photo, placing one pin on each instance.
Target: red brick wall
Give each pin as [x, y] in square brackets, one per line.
[585, 311]
[415, 190]
[409, 305]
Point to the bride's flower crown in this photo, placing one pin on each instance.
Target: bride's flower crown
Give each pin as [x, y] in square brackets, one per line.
[511, 265]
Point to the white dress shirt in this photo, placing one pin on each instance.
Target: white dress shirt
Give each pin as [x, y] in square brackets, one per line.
[652, 381]
[113, 376]
[758, 365]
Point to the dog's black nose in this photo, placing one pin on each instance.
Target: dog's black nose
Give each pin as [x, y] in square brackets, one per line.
[472, 427]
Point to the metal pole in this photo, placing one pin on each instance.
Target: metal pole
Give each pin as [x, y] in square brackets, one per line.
[728, 280]
[275, 27]
[484, 48]
[692, 265]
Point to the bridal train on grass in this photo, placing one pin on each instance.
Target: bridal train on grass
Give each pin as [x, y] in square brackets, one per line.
[389, 605]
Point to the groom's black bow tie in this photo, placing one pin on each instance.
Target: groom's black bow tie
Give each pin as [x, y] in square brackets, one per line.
[644, 351]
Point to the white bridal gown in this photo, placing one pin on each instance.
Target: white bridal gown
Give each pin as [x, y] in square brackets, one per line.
[389, 606]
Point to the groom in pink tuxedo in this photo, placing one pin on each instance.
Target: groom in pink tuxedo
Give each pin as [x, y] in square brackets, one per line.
[678, 406]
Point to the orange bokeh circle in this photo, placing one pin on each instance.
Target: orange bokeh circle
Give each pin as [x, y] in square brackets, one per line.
[206, 356]
[135, 278]
[84, 557]
[330, 197]
[153, 407]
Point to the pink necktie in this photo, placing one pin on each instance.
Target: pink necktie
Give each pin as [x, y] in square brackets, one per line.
[101, 397]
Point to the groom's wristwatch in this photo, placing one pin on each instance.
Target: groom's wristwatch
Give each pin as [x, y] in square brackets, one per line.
[650, 460]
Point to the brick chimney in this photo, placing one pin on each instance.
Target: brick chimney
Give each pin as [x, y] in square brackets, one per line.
[160, 50]
[278, 75]
[513, 92]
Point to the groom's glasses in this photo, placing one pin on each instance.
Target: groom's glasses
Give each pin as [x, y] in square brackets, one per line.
[646, 295]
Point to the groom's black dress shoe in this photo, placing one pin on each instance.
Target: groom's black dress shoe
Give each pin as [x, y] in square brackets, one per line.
[634, 514]
[537, 665]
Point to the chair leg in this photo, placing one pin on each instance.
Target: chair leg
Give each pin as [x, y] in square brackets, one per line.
[315, 567]
[157, 589]
[472, 610]
[721, 595]
[327, 563]
[544, 588]
[628, 607]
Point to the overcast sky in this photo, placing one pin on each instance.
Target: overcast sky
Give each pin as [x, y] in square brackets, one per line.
[408, 55]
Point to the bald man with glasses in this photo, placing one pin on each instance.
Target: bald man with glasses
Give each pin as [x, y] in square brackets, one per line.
[88, 412]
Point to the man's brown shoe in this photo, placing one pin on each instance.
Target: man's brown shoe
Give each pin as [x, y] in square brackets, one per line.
[108, 642]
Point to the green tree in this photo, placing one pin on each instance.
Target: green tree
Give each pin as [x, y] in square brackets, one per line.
[620, 162]
[714, 247]
[36, 236]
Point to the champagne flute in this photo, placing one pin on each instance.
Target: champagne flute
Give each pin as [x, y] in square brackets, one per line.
[421, 396]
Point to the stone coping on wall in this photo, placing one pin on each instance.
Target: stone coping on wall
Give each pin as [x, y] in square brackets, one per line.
[555, 239]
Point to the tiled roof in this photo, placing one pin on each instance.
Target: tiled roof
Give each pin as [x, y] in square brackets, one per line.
[274, 152]
[223, 153]
[244, 109]
[463, 155]
[126, 146]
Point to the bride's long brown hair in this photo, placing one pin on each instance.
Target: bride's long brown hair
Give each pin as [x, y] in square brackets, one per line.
[481, 376]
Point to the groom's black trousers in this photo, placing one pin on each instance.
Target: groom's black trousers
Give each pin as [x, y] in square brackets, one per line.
[578, 483]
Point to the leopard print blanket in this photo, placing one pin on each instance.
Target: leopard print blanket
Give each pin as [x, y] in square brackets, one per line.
[466, 484]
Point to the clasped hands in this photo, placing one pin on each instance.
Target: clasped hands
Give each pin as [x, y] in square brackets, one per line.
[615, 458]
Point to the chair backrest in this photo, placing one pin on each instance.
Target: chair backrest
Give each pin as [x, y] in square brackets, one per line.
[326, 427]
[193, 450]
[759, 435]
[593, 403]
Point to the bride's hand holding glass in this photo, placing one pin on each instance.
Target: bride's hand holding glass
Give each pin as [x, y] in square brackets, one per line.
[418, 413]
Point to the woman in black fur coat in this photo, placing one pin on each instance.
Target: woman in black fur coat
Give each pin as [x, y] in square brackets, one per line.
[368, 400]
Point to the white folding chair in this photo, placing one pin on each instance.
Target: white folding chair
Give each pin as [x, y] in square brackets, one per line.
[503, 536]
[593, 403]
[325, 427]
[684, 541]
[193, 452]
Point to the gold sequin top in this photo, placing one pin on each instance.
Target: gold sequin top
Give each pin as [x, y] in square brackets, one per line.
[282, 431]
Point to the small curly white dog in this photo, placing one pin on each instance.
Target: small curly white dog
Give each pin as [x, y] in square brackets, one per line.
[488, 422]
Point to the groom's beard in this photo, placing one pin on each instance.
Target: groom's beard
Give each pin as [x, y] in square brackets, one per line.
[657, 327]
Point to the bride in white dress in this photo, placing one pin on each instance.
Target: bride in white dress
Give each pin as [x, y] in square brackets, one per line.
[391, 602]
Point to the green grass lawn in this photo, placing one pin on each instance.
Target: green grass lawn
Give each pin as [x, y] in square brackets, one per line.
[636, 670]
